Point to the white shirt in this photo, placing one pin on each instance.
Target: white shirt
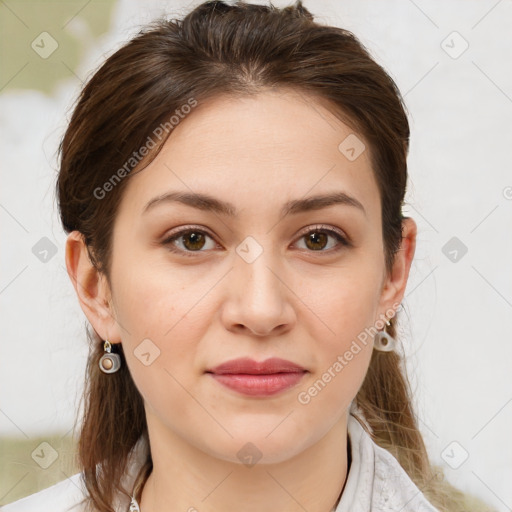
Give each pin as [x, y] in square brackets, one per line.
[376, 483]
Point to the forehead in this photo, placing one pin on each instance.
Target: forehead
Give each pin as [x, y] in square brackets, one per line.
[258, 151]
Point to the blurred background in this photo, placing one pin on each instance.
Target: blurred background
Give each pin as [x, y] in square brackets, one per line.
[448, 58]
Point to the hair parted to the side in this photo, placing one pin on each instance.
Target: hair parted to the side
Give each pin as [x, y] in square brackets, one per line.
[237, 49]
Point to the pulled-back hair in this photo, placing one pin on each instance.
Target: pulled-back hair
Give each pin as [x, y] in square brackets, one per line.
[219, 49]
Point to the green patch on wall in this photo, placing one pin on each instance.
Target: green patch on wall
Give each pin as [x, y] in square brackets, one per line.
[42, 42]
[31, 465]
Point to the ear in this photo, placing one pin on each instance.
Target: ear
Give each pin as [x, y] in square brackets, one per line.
[92, 289]
[395, 282]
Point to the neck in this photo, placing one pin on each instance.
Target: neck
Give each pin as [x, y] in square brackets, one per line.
[192, 480]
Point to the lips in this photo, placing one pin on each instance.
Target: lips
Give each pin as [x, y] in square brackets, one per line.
[258, 379]
[251, 367]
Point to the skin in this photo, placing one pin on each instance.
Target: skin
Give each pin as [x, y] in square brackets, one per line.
[292, 302]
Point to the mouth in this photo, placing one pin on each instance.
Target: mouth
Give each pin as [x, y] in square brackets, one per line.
[253, 378]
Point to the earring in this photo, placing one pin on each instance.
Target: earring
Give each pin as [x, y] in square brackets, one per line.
[383, 341]
[109, 362]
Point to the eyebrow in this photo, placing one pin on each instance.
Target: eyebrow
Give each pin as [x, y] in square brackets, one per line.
[209, 203]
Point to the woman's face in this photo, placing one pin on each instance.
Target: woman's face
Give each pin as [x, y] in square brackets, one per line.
[261, 274]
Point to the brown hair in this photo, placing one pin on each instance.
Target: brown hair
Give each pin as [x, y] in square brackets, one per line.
[239, 49]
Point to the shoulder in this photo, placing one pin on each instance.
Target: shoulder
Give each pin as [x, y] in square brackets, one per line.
[65, 496]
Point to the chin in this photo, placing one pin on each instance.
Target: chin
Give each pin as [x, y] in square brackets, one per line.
[254, 445]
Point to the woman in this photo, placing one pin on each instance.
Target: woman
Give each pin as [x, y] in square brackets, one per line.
[232, 186]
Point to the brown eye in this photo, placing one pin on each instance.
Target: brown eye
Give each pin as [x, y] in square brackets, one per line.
[316, 241]
[193, 240]
[188, 241]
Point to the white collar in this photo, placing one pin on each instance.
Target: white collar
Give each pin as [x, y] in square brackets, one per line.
[376, 481]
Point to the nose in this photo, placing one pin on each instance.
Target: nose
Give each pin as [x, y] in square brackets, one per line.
[258, 300]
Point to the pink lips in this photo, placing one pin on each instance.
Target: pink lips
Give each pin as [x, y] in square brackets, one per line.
[258, 378]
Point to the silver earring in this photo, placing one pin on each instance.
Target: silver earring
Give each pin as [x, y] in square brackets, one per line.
[109, 362]
[134, 506]
[383, 341]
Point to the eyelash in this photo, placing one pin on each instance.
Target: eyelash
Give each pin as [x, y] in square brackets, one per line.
[343, 242]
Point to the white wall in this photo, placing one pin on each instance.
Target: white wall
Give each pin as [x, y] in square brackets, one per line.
[459, 333]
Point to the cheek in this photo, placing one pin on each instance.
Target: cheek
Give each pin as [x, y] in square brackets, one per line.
[156, 301]
[163, 316]
[342, 364]
[344, 310]
[329, 392]
[344, 307]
